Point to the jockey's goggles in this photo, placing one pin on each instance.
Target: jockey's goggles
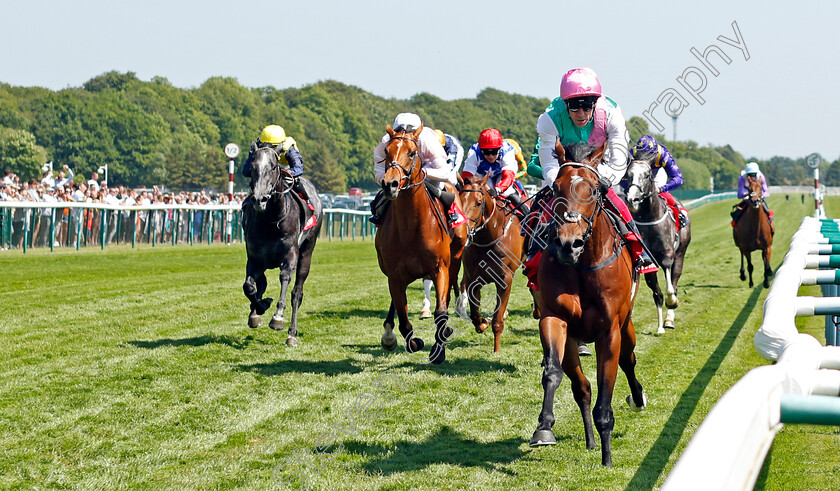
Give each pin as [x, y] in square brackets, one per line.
[489, 151]
[575, 105]
[408, 128]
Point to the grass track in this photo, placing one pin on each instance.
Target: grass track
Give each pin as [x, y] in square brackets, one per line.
[136, 368]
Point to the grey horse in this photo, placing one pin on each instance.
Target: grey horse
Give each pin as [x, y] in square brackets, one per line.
[272, 222]
[657, 225]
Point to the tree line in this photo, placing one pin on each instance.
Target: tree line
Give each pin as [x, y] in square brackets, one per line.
[154, 133]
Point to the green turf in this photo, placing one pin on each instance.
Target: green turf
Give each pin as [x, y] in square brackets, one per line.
[135, 368]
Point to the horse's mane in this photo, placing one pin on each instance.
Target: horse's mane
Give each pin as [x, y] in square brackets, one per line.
[577, 152]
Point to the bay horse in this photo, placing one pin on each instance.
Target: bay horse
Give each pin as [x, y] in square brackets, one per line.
[492, 255]
[752, 232]
[586, 288]
[658, 227]
[414, 241]
[272, 224]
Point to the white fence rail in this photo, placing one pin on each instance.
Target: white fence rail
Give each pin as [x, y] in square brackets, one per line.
[728, 449]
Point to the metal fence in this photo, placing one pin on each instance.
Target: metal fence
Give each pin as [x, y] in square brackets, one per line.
[24, 225]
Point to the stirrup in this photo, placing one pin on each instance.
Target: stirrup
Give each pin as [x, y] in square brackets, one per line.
[456, 219]
[644, 264]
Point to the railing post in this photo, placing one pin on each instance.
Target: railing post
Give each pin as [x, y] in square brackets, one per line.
[26, 219]
[52, 230]
[79, 221]
[103, 227]
[192, 225]
[153, 216]
[133, 229]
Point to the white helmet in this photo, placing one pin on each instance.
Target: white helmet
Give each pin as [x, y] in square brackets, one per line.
[408, 121]
[752, 168]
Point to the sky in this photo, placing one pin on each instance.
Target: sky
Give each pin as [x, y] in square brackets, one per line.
[777, 95]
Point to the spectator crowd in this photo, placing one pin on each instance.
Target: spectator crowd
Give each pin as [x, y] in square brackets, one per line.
[85, 224]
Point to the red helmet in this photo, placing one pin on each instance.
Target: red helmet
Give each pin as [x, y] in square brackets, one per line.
[490, 138]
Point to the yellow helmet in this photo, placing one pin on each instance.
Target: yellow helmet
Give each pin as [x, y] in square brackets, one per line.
[273, 134]
[441, 137]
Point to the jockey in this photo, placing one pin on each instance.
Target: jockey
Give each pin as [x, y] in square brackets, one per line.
[434, 163]
[273, 135]
[454, 150]
[497, 158]
[752, 170]
[582, 114]
[651, 151]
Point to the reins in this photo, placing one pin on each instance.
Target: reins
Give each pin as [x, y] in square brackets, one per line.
[574, 216]
[471, 232]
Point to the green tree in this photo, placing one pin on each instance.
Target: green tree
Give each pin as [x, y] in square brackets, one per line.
[20, 153]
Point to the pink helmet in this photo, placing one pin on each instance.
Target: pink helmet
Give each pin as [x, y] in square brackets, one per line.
[579, 82]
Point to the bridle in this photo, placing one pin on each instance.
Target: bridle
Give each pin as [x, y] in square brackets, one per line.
[645, 194]
[755, 198]
[484, 218]
[410, 172]
[575, 216]
[282, 173]
[648, 194]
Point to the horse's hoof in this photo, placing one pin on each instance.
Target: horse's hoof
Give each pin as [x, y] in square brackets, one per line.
[669, 325]
[542, 438]
[438, 354]
[583, 350]
[633, 405]
[263, 304]
[389, 343]
[535, 312]
[507, 314]
[291, 341]
[414, 345]
[743, 277]
[661, 330]
[277, 324]
[766, 283]
[426, 314]
[254, 321]
[481, 326]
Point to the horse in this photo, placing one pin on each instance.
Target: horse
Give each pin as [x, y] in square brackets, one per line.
[492, 255]
[414, 241]
[586, 290]
[658, 227]
[272, 223]
[752, 232]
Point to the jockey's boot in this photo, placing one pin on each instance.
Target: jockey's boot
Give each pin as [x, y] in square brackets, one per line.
[455, 217]
[301, 191]
[770, 217]
[377, 208]
[737, 211]
[683, 219]
[520, 208]
[642, 262]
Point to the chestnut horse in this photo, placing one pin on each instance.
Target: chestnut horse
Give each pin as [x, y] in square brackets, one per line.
[414, 241]
[493, 252]
[752, 232]
[586, 289]
[658, 227]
